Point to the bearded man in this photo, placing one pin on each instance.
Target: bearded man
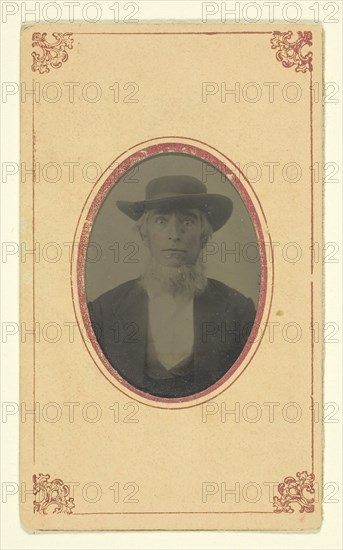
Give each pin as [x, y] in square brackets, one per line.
[173, 332]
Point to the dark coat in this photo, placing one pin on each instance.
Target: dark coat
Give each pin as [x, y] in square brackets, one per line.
[223, 320]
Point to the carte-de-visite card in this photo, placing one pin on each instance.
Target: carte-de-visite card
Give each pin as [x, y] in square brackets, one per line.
[171, 277]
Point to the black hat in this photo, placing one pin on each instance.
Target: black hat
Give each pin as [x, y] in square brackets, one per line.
[183, 192]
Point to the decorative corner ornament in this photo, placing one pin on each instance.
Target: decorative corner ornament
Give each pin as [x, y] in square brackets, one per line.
[54, 54]
[292, 491]
[290, 53]
[53, 494]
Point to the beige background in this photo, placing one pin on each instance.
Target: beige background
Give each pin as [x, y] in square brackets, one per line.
[186, 450]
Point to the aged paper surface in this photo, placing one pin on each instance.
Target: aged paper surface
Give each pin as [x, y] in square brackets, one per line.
[240, 110]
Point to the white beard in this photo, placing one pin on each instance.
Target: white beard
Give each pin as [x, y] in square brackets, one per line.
[186, 280]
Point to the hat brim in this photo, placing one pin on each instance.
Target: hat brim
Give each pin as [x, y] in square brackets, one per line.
[218, 208]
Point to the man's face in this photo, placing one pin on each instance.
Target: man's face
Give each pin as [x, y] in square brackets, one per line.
[174, 237]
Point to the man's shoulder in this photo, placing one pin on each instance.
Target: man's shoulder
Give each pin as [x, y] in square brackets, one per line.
[117, 293]
[224, 291]
[229, 302]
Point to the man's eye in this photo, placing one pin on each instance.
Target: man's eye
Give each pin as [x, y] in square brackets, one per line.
[188, 221]
[160, 220]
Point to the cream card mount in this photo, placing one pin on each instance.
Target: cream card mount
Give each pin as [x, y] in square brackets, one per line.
[197, 127]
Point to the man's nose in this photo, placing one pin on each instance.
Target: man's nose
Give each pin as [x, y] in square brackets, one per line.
[174, 228]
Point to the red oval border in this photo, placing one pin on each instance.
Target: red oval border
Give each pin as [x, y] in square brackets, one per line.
[111, 180]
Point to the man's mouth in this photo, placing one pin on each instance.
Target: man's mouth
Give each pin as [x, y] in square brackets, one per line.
[175, 250]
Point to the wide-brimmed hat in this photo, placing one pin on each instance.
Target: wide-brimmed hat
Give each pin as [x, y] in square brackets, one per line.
[169, 192]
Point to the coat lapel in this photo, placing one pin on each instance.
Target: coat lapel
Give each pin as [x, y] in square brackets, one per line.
[211, 356]
[131, 314]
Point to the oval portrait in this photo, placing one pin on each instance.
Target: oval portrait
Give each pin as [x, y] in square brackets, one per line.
[172, 274]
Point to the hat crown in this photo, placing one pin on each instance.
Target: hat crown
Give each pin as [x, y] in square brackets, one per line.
[180, 192]
[174, 185]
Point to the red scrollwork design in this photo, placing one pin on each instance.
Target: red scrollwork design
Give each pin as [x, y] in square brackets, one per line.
[290, 53]
[54, 54]
[292, 491]
[53, 493]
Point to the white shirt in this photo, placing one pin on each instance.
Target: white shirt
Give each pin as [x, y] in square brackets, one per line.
[171, 327]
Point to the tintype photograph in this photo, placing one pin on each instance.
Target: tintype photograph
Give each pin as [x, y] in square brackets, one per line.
[172, 276]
